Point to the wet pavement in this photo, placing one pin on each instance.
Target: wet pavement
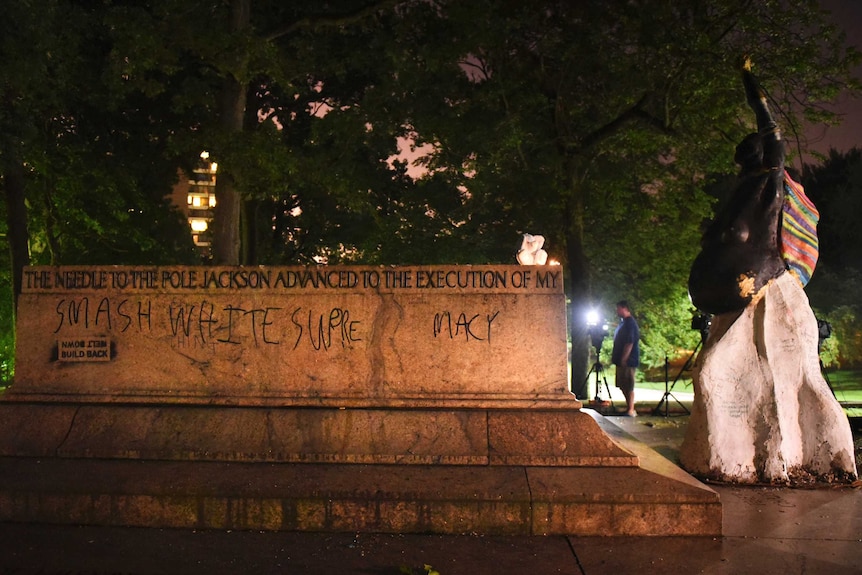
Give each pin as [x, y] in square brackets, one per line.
[766, 530]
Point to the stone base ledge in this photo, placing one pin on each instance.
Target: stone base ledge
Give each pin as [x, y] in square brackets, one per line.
[494, 472]
[530, 437]
[551, 401]
[492, 500]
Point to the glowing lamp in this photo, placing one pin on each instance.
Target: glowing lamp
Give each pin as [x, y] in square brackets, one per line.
[198, 224]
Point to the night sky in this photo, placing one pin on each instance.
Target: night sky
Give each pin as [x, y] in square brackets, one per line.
[848, 15]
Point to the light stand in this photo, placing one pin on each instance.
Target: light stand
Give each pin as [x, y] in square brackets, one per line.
[668, 388]
[701, 323]
[824, 332]
[599, 371]
[826, 377]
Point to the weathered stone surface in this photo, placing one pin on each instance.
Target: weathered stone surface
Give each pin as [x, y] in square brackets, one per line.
[409, 399]
[629, 502]
[132, 465]
[311, 435]
[552, 438]
[762, 411]
[500, 500]
[337, 336]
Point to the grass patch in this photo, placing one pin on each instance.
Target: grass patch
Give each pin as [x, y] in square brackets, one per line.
[845, 383]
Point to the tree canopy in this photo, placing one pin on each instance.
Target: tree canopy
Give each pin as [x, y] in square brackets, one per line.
[596, 124]
[835, 187]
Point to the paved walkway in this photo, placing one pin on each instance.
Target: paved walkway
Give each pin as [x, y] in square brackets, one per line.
[765, 531]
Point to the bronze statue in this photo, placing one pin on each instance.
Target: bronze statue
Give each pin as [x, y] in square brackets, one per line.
[741, 249]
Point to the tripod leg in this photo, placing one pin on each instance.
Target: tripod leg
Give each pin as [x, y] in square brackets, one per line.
[826, 377]
[586, 385]
[669, 388]
[684, 408]
[608, 389]
[657, 409]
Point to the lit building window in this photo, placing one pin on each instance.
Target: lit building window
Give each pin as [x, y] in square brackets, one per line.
[198, 188]
[198, 224]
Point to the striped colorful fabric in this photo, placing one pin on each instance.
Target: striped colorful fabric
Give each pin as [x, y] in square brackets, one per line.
[799, 245]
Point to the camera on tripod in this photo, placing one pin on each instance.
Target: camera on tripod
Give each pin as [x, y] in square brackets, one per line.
[824, 332]
[598, 330]
[701, 322]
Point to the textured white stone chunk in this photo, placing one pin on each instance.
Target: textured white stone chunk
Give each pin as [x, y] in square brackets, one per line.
[762, 410]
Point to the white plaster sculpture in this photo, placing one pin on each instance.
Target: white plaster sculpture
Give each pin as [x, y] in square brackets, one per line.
[531, 252]
[762, 412]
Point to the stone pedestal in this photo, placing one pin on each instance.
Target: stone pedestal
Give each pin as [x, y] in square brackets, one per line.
[409, 399]
[762, 411]
[490, 472]
[328, 336]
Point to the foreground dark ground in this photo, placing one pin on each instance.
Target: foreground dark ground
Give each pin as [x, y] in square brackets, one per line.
[766, 530]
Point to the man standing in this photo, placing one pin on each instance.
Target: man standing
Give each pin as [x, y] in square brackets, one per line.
[626, 354]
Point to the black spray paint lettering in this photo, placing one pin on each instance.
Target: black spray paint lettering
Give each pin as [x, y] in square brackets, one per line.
[254, 318]
[471, 327]
[334, 327]
[79, 313]
[185, 319]
[182, 318]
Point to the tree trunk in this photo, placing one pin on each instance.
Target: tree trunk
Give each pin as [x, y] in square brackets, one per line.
[226, 228]
[50, 226]
[579, 298]
[226, 224]
[579, 293]
[16, 220]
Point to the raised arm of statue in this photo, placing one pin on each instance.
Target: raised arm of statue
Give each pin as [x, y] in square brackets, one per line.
[767, 128]
[740, 250]
[798, 241]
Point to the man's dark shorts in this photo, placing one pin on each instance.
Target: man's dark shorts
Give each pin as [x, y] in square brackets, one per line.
[625, 378]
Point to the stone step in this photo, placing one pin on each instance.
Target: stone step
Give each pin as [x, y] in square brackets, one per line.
[407, 471]
[530, 437]
[499, 500]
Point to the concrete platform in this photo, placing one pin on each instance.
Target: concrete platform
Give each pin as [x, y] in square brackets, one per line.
[635, 493]
[768, 531]
[342, 498]
[564, 436]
